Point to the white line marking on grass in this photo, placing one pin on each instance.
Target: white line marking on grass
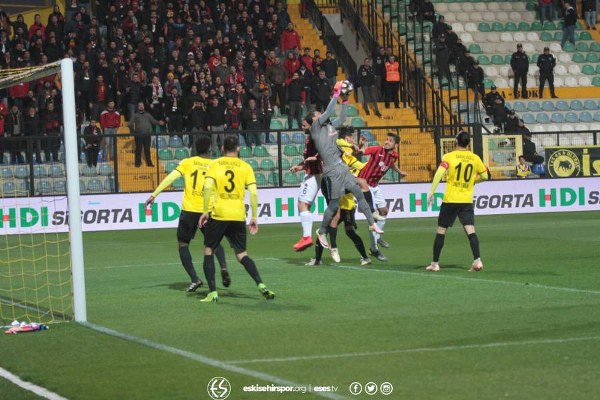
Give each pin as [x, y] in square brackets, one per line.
[417, 350]
[30, 387]
[206, 360]
[462, 278]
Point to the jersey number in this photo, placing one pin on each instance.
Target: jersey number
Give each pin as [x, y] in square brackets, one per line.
[468, 172]
[231, 176]
[195, 176]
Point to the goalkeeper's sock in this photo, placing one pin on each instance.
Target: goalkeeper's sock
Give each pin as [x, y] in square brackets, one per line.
[474, 242]
[220, 253]
[438, 243]
[332, 236]
[209, 272]
[186, 260]
[250, 266]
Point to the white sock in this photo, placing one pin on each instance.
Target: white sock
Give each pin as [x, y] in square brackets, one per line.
[373, 238]
[306, 221]
[380, 224]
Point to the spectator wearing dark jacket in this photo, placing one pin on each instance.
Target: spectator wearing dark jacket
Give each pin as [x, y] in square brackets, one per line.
[142, 125]
[252, 121]
[365, 79]
[569, 22]
[215, 113]
[52, 122]
[529, 150]
[546, 63]
[519, 63]
[442, 60]
[276, 77]
[321, 91]
[512, 122]
[330, 66]
[294, 99]
[93, 137]
[32, 126]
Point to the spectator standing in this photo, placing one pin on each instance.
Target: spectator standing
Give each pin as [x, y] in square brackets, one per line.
[546, 63]
[110, 120]
[392, 82]
[546, 10]
[442, 60]
[52, 125]
[252, 121]
[366, 81]
[519, 63]
[32, 127]
[475, 78]
[290, 40]
[569, 22]
[321, 91]
[294, 99]
[330, 66]
[14, 128]
[379, 60]
[306, 77]
[174, 109]
[589, 13]
[215, 113]
[142, 124]
[92, 136]
[276, 77]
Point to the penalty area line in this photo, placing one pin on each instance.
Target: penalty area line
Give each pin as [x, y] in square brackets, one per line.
[418, 350]
[206, 360]
[30, 387]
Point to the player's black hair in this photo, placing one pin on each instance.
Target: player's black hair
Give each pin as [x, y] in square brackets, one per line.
[230, 143]
[309, 117]
[396, 137]
[463, 139]
[345, 131]
[202, 144]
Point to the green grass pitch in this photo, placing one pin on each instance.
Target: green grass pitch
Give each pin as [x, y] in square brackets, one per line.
[527, 327]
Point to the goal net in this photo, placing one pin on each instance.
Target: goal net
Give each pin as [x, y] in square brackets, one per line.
[41, 265]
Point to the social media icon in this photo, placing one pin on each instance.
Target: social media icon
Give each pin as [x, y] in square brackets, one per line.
[371, 388]
[355, 388]
[386, 388]
[218, 388]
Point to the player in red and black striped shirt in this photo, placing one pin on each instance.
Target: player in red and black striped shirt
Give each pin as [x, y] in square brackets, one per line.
[381, 158]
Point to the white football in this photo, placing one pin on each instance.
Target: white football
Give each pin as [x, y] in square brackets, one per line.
[347, 87]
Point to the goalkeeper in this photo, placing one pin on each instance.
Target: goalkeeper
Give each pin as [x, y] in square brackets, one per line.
[193, 170]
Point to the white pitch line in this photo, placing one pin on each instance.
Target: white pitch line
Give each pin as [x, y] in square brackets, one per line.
[30, 387]
[416, 350]
[462, 278]
[206, 360]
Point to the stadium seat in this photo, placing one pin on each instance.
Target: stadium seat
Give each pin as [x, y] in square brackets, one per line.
[89, 171]
[519, 106]
[546, 37]
[471, 27]
[536, 26]
[552, 128]
[6, 173]
[43, 186]
[483, 59]
[510, 26]
[297, 160]
[538, 128]
[585, 81]
[484, 27]
[260, 151]
[253, 163]
[576, 105]
[534, 106]
[474, 48]
[573, 70]
[82, 186]
[497, 27]
[95, 185]
[267, 164]
[578, 58]
[60, 186]
[298, 138]
[596, 81]
[109, 185]
[557, 118]
[169, 167]
[571, 81]
[358, 122]
[8, 188]
[497, 60]
[182, 153]
[585, 116]
[542, 118]
[57, 171]
[595, 46]
[585, 36]
[160, 142]
[568, 47]
[39, 171]
[290, 178]
[245, 152]
[548, 105]
[285, 164]
[290, 150]
[273, 179]
[276, 124]
[528, 118]
[591, 105]
[592, 57]
[549, 26]
[524, 26]
[520, 36]
[571, 117]
[175, 141]
[106, 169]
[285, 138]
[582, 46]
[351, 111]
[562, 105]
[165, 154]
[506, 37]
[597, 116]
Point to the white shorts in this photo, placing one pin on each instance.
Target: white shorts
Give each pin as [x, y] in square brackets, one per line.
[378, 199]
[310, 188]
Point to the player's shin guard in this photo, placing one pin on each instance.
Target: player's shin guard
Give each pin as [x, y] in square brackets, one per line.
[358, 243]
[474, 242]
[332, 236]
[209, 272]
[250, 266]
[220, 253]
[438, 243]
[186, 260]
[369, 198]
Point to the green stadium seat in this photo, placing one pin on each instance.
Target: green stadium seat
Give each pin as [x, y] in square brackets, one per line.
[285, 164]
[290, 150]
[595, 46]
[578, 26]
[358, 122]
[253, 163]
[246, 152]
[531, 6]
[578, 58]
[170, 166]
[585, 36]
[592, 57]
[297, 160]
[510, 26]
[524, 26]
[569, 47]
[546, 36]
[497, 27]
[533, 59]
[596, 81]
[165, 155]
[180, 154]
[507, 59]
[273, 179]
[588, 70]
[276, 124]
[475, 48]
[267, 164]
[549, 26]
[598, 69]
[582, 46]
[488, 83]
[536, 26]
[290, 178]
[351, 111]
[483, 59]
[484, 27]
[260, 179]
[179, 183]
[557, 36]
[260, 151]
[497, 60]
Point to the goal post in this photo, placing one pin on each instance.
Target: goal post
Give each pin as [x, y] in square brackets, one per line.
[34, 264]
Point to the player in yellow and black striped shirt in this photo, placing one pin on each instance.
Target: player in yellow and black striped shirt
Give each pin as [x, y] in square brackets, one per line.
[193, 171]
[463, 169]
[228, 178]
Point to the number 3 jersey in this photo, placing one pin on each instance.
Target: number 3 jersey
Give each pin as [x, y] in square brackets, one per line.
[462, 167]
[231, 177]
[194, 171]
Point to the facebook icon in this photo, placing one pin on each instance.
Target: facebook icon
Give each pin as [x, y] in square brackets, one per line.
[355, 388]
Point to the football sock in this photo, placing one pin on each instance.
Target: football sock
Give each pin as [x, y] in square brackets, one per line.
[363, 206]
[373, 239]
[332, 236]
[209, 272]
[381, 225]
[248, 263]
[438, 243]
[306, 221]
[220, 253]
[318, 251]
[474, 242]
[186, 260]
[369, 198]
[358, 243]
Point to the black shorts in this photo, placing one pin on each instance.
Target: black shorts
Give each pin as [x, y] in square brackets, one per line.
[347, 216]
[449, 211]
[188, 224]
[234, 231]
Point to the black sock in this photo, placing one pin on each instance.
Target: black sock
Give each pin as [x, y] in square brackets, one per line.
[358, 243]
[318, 251]
[474, 242]
[251, 269]
[220, 253]
[186, 260]
[209, 272]
[332, 236]
[369, 199]
[438, 243]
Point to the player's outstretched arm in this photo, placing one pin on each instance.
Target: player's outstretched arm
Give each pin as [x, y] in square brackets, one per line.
[331, 106]
[169, 179]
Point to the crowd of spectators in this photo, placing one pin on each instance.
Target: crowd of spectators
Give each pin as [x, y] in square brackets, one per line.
[196, 65]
